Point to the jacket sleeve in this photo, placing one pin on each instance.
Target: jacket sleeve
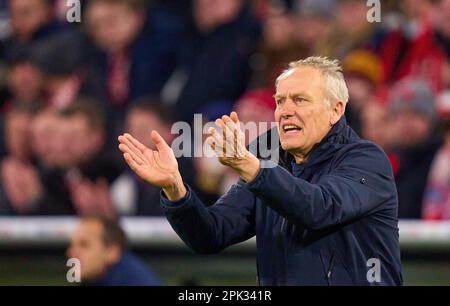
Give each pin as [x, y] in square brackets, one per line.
[210, 229]
[359, 184]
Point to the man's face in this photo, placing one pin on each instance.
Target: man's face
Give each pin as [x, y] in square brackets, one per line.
[113, 26]
[27, 16]
[302, 115]
[88, 247]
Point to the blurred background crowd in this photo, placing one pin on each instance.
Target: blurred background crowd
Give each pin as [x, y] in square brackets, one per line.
[67, 90]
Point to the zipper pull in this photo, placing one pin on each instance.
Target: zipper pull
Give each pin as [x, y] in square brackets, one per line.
[330, 266]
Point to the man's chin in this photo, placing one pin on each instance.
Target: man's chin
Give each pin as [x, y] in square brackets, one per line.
[289, 147]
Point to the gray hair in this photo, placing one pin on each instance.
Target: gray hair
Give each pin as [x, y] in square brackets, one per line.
[335, 86]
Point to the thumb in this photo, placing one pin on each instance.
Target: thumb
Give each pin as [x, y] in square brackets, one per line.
[160, 143]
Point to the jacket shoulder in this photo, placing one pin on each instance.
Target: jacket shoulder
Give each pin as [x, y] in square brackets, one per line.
[364, 154]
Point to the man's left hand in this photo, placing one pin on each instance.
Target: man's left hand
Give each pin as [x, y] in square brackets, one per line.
[229, 146]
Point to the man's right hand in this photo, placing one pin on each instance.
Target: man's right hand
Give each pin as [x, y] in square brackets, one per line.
[158, 167]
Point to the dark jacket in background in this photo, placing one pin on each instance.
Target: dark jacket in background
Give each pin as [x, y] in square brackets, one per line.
[316, 224]
[215, 66]
[129, 271]
[412, 175]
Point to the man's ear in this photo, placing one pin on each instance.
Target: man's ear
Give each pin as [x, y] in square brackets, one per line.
[337, 111]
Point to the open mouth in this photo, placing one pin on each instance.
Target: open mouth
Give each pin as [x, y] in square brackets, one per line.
[291, 128]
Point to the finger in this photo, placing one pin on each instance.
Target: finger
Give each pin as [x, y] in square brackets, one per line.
[125, 149]
[234, 117]
[131, 163]
[135, 142]
[130, 143]
[159, 142]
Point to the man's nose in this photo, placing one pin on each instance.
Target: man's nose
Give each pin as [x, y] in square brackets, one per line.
[287, 109]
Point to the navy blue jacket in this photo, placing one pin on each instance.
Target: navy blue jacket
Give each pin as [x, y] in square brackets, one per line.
[129, 271]
[316, 223]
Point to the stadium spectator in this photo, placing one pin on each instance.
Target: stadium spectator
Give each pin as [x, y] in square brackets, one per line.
[61, 61]
[100, 245]
[90, 169]
[363, 73]
[436, 204]
[442, 25]
[411, 50]
[20, 185]
[31, 20]
[317, 16]
[414, 134]
[132, 56]
[350, 30]
[213, 62]
[131, 195]
[23, 80]
[278, 45]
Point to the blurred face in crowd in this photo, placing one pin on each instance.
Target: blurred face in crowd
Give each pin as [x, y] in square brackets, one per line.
[88, 246]
[210, 14]
[17, 134]
[444, 18]
[140, 123]
[278, 29]
[44, 129]
[373, 116]
[79, 141]
[359, 89]
[303, 115]
[27, 16]
[352, 15]
[317, 27]
[113, 26]
[410, 128]
[414, 9]
[24, 81]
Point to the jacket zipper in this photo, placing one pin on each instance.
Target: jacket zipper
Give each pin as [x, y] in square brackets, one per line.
[330, 267]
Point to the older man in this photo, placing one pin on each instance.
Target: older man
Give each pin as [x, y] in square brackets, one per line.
[328, 218]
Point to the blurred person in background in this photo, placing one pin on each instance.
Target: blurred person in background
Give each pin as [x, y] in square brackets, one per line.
[313, 21]
[350, 30]
[60, 61]
[442, 25]
[213, 62]
[31, 21]
[436, 205]
[23, 80]
[411, 49]
[131, 195]
[278, 45]
[90, 167]
[132, 55]
[363, 73]
[74, 173]
[20, 183]
[100, 244]
[413, 131]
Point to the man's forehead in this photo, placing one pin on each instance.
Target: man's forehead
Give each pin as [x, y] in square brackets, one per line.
[298, 79]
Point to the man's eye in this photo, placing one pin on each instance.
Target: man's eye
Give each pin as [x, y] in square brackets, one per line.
[279, 101]
[299, 99]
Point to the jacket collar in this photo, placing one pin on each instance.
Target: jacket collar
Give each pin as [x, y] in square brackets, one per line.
[326, 148]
